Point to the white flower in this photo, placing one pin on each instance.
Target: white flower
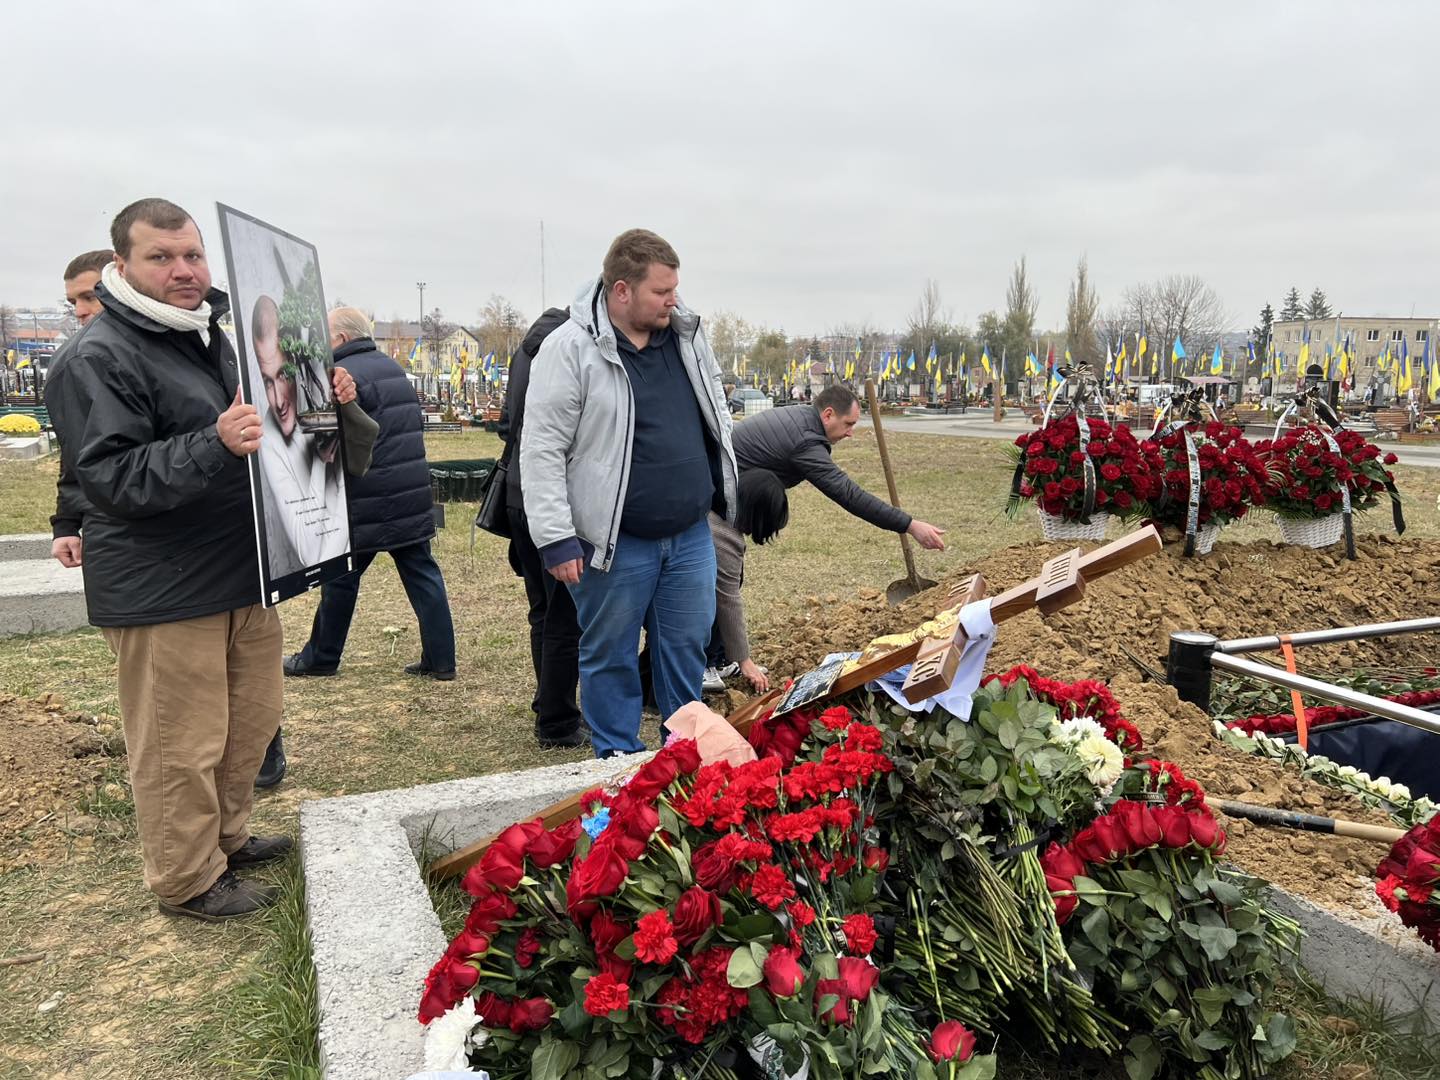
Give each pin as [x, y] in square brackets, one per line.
[1102, 759]
[450, 1038]
[1399, 793]
[1349, 771]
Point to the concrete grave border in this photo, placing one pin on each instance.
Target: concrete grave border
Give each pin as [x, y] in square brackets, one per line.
[375, 934]
[373, 931]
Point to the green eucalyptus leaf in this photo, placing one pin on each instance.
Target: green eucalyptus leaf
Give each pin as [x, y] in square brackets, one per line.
[742, 971]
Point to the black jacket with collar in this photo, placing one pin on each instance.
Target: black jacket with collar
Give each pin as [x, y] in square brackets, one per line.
[512, 413]
[170, 525]
[390, 506]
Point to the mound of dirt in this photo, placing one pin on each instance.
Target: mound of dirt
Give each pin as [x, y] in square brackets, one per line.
[50, 763]
[1240, 590]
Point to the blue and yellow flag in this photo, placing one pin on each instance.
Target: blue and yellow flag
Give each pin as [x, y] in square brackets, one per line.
[910, 363]
[1217, 362]
[985, 361]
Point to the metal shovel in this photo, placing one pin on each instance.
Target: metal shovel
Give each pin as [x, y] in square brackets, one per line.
[897, 592]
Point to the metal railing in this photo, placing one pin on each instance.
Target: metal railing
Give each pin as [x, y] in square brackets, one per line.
[1194, 656]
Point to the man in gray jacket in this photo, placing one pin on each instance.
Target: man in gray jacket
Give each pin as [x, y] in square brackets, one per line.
[794, 443]
[624, 452]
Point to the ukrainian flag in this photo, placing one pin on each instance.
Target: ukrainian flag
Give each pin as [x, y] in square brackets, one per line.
[985, 361]
[1217, 362]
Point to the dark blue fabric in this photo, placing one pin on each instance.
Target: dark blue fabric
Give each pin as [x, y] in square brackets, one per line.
[671, 486]
[425, 587]
[390, 506]
[1405, 754]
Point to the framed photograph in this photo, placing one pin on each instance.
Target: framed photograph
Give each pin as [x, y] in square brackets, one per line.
[297, 477]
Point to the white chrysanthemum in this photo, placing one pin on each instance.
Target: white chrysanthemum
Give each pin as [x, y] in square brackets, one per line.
[1102, 759]
[1399, 793]
[450, 1038]
[1349, 771]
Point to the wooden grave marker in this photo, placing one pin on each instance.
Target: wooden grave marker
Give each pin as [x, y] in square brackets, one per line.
[933, 660]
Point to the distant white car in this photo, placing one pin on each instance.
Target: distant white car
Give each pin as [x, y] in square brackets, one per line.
[748, 400]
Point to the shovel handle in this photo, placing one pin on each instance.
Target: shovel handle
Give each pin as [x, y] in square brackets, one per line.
[874, 402]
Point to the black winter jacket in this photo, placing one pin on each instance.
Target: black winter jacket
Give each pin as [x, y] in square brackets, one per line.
[791, 443]
[390, 506]
[70, 501]
[512, 413]
[170, 526]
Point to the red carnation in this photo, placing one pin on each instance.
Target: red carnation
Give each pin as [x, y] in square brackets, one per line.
[655, 938]
[801, 913]
[771, 887]
[859, 933]
[604, 995]
[835, 718]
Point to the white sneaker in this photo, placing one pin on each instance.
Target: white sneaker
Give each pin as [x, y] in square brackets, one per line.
[713, 682]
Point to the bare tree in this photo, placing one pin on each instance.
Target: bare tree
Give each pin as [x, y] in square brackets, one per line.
[435, 329]
[730, 337]
[1021, 306]
[929, 319]
[502, 327]
[1081, 311]
[1180, 306]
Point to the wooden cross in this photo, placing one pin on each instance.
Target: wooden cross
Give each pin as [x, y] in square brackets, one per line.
[933, 660]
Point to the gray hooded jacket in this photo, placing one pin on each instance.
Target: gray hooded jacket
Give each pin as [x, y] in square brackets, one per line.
[575, 444]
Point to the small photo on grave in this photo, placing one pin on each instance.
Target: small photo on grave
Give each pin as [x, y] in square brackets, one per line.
[297, 477]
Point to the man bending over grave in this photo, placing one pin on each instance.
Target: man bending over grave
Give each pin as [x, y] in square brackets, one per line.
[794, 443]
[153, 409]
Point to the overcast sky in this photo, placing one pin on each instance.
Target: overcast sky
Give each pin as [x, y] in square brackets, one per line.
[812, 163]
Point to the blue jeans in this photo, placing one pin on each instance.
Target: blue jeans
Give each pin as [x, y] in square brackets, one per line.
[420, 575]
[666, 586]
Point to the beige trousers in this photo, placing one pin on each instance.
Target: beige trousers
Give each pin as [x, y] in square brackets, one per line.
[201, 700]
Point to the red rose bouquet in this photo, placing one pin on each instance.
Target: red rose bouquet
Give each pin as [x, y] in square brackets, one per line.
[1050, 469]
[694, 910]
[1232, 476]
[1307, 478]
[1407, 879]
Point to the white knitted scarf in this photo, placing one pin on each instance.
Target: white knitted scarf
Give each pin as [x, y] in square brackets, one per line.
[165, 314]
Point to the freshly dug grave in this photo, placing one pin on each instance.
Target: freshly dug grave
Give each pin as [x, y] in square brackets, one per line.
[51, 763]
[1239, 590]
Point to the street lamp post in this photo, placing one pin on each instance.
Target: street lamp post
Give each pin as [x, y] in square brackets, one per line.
[420, 326]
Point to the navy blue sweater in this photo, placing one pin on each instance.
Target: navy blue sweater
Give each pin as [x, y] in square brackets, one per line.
[671, 482]
[390, 505]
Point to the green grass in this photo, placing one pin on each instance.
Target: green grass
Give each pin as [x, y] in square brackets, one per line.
[152, 997]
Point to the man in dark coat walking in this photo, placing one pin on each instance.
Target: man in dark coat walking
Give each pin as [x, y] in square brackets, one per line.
[554, 627]
[390, 511]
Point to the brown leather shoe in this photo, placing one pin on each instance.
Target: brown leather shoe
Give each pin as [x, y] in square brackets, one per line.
[260, 849]
[228, 898]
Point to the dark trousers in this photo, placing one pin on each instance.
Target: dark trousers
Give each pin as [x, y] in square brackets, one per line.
[425, 587]
[554, 637]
